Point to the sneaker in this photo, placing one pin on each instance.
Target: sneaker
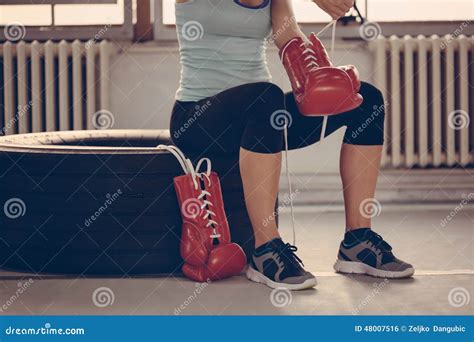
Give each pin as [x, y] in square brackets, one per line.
[276, 265]
[365, 252]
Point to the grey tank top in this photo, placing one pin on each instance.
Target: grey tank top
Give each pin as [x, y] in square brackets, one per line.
[222, 44]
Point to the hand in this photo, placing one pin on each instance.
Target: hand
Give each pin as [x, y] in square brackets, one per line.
[335, 8]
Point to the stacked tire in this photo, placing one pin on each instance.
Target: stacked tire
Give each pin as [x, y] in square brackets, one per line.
[99, 202]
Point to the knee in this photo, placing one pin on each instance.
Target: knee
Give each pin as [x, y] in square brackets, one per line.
[266, 118]
[371, 94]
[367, 122]
[373, 107]
[269, 100]
[270, 94]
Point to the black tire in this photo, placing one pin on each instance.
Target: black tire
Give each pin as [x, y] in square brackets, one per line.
[60, 179]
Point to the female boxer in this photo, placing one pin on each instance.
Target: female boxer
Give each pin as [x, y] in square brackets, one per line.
[223, 68]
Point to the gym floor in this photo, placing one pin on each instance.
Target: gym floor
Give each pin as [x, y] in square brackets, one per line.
[442, 256]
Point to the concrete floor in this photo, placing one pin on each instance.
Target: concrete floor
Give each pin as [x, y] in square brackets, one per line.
[443, 284]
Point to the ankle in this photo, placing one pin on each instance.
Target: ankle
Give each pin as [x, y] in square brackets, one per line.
[355, 234]
[357, 224]
[360, 226]
[268, 245]
[262, 240]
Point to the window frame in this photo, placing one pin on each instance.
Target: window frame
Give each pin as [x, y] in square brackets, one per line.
[345, 32]
[351, 31]
[56, 32]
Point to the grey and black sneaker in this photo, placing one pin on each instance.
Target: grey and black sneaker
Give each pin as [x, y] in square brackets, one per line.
[365, 252]
[276, 265]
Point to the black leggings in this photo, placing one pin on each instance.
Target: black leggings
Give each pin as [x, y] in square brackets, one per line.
[252, 116]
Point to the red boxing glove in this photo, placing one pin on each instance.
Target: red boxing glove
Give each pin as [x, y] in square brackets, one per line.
[223, 262]
[206, 245]
[323, 60]
[318, 90]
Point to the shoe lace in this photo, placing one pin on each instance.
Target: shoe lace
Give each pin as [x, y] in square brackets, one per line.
[379, 243]
[309, 56]
[205, 197]
[286, 253]
[197, 177]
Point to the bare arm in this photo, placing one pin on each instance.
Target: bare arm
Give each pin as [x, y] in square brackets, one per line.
[284, 24]
[335, 8]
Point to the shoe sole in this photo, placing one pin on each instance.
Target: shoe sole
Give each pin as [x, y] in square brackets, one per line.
[355, 267]
[258, 277]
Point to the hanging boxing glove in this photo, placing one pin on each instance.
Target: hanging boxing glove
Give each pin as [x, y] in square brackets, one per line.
[206, 246]
[318, 90]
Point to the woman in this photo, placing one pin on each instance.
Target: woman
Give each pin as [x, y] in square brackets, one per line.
[222, 47]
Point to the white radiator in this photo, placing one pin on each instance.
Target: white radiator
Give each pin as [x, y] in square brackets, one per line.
[428, 86]
[52, 86]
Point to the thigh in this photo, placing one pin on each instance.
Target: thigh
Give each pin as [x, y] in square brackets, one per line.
[200, 127]
[215, 125]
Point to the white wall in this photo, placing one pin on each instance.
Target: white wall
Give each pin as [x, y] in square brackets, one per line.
[144, 78]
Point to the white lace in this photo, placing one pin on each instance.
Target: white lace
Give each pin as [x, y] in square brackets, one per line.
[333, 34]
[312, 65]
[196, 175]
[205, 196]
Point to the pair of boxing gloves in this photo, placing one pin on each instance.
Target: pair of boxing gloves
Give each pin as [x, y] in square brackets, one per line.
[319, 88]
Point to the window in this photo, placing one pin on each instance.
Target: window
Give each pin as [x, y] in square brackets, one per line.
[375, 10]
[420, 10]
[42, 18]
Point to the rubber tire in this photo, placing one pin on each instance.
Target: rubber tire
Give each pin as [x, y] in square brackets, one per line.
[65, 177]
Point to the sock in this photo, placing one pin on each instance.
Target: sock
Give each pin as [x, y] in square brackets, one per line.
[352, 236]
[268, 245]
